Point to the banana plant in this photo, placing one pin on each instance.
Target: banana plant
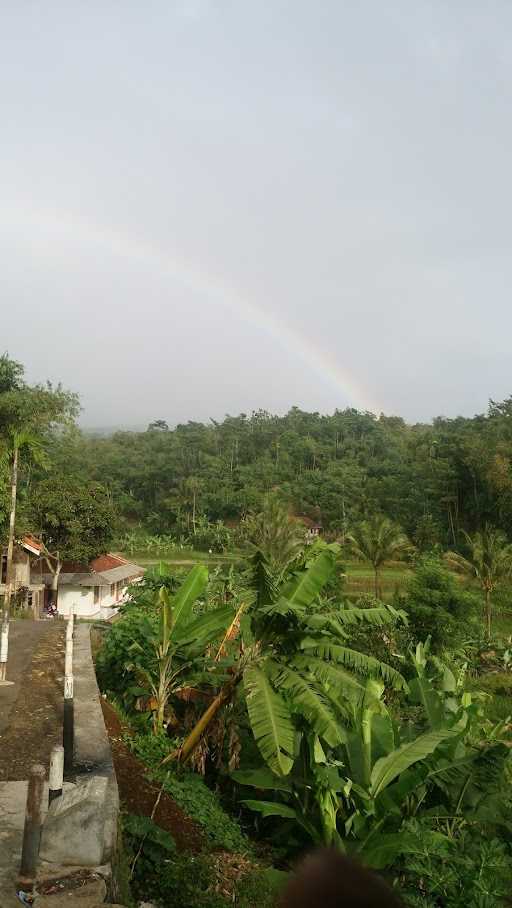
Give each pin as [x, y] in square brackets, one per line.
[293, 666]
[360, 794]
[162, 654]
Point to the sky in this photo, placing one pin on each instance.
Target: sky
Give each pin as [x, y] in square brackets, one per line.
[216, 206]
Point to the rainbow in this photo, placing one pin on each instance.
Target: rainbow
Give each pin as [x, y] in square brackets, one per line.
[189, 276]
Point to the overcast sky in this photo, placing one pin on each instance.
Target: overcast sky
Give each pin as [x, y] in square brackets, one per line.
[211, 206]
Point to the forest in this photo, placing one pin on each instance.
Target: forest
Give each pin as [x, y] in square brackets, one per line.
[272, 704]
[433, 480]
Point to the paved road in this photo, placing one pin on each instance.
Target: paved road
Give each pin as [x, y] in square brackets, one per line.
[31, 709]
[24, 636]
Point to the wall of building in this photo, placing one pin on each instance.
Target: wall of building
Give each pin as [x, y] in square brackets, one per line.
[81, 598]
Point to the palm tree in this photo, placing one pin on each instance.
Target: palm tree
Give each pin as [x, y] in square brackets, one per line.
[378, 540]
[293, 663]
[275, 535]
[18, 442]
[489, 561]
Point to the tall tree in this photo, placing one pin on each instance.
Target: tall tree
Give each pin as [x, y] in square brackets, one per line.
[489, 561]
[378, 541]
[16, 445]
[74, 519]
[27, 416]
[272, 532]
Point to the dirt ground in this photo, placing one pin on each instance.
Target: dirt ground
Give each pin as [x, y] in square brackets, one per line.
[32, 724]
[138, 794]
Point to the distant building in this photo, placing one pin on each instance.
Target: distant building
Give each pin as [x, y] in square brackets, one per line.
[28, 587]
[312, 529]
[95, 590]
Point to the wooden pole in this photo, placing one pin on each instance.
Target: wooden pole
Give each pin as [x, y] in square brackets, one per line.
[33, 824]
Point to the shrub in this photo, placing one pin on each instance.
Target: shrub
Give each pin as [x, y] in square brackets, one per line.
[161, 873]
[467, 871]
[437, 606]
[191, 793]
[170, 878]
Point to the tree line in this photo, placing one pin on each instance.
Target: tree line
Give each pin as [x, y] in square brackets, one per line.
[433, 480]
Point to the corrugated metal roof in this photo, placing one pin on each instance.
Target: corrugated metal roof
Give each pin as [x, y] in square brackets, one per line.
[116, 574]
[93, 578]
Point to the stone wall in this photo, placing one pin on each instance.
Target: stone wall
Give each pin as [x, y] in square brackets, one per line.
[81, 826]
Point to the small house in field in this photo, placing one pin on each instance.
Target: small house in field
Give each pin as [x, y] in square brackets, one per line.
[312, 528]
[96, 590]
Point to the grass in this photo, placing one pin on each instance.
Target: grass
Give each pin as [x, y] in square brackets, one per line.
[185, 556]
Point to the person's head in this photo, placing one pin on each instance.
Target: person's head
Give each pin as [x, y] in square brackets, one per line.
[328, 879]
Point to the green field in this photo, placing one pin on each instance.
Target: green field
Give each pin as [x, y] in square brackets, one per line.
[185, 557]
[359, 577]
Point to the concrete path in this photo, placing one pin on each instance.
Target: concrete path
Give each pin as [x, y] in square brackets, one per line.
[25, 641]
[24, 636]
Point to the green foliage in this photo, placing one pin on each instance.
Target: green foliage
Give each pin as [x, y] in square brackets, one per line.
[192, 794]
[161, 873]
[70, 516]
[158, 651]
[450, 765]
[260, 888]
[437, 606]
[378, 540]
[488, 560]
[274, 535]
[468, 871]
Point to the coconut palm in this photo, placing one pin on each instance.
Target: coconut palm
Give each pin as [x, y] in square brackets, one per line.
[378, 541]
[489, 561]
[272, 533]
[18, 443]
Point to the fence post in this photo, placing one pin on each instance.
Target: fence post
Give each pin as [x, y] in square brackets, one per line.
[33, 824]
[4, 649]
[56, 773]
[68, 723]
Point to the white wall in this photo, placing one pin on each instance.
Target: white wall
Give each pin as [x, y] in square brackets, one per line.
[81, 598]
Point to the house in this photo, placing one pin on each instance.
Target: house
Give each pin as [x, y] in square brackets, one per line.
[95, 590]
[28, 586]
[312, 529]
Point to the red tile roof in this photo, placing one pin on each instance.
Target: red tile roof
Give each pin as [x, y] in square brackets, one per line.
[107, 562]
[31, 542]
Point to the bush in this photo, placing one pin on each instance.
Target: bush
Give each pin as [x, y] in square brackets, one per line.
[161, 873]
[192, 794]
[170, 878]
[437, 606]
[467, 871]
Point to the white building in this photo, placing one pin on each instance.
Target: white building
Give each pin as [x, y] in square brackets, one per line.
[96, 590]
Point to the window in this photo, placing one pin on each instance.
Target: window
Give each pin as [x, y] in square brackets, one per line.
[3, 573]
[112, 589]
[96, 595]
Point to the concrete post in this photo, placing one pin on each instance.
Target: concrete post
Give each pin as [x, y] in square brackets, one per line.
[68, 731]
[56, 773]
[33, 824]
[4, 650]
[70, 624]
